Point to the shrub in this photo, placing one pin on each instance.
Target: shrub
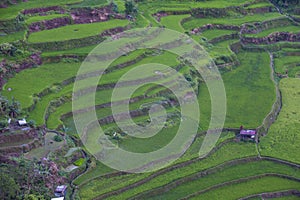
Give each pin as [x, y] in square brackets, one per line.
[58, 138]
[79, 162]
[3, 124]
[32, 123]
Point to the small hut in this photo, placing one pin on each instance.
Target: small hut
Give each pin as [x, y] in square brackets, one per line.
[22, 122]
[60, 191]
[248, 134]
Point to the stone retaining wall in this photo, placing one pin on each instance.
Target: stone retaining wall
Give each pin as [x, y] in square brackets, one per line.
[272, 38]
[49, 24]
[43, 10]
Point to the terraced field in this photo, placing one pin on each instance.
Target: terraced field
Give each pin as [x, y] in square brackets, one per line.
[254, 47]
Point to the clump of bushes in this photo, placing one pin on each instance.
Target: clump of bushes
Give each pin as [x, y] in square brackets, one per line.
[58, 138]
[79, 162]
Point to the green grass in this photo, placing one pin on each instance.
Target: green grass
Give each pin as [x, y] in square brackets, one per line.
[102, 185]
[99, 170]
[284, 63]
[165, 58]
[141, 22]
[90, 3]
[220, 48]
[283, 136]
[249, 89]
[24, 86]
[198, 22]
[215, 50]
[174, 22]
[77, 51]
[79, 162]
[75, 31]
[38, 18]
[260, 4]
[250, 95]
[225, 153]
[38, 113]
[12, 37]
[228, 174]
[257, 186]
[213, 33]
[121, 5]
[172, 5]
[12, 11]
[290, 29]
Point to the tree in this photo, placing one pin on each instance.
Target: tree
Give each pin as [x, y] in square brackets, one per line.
[14, 108]
[33, 197]
[114, 7]
[32, 123]
[130, 8]
[3, 106]
[57, 138]
[8, 49]
[3, 124]
[8, 187]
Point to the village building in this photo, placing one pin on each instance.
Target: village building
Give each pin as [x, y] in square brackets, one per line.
[22, 122]
[248, 134]
[60, 191]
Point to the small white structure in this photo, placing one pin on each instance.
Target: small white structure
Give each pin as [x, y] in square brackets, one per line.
[60, 191]
[59, 198]
[22, 122]
[9, 120]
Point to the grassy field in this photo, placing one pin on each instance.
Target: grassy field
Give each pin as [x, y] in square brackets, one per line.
[75, 31]
[12, 11]
[30, 20]
[253, 187]
[89, 3]
[77, 51]
[264, 33]
[166, 58]
[198, 22]
[220, 49]
[227, 152]
[24, 86]
[12, 37]
[287, 63]
[249, 89]
[173, 5]
[213, 33]
[173, 22]
[281, 141]
[227, 174]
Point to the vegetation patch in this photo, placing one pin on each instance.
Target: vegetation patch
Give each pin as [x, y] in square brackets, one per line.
[75, 31]
[281, 140]
[12, 11]
[44, 77]
[255, 186]
[225, 174]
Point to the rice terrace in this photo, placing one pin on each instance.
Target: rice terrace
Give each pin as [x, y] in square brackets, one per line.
[149, 99]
